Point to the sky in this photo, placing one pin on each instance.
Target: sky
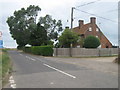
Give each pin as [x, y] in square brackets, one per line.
[105, 11]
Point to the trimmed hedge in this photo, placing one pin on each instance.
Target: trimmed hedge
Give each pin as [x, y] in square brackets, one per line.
[27, 49]
[39, 50]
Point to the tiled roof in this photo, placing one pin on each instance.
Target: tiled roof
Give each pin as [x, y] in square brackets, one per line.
[82, 29]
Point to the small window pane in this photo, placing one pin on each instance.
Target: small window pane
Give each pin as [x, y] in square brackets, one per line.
[90, 29]
[97, 36]
[97, 29]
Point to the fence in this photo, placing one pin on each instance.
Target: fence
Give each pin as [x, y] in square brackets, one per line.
[82, 52]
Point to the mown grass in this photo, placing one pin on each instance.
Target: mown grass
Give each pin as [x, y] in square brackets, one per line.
[5, 65]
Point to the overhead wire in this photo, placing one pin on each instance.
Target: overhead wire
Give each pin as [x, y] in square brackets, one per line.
[92, 13]
[87, 3]
[112, 10]
[95, 15]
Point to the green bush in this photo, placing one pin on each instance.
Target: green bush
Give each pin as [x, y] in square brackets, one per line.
[46, 50]
[27, 49]
[36, 50]
[91, 42]
[67, 38]
[40, 50]
[20, 47]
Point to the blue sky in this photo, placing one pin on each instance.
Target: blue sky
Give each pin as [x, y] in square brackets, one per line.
[61, 9]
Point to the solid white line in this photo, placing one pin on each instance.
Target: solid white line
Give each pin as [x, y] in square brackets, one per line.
[60, 71]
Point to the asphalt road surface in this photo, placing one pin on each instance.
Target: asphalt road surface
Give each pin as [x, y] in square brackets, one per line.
[30, 71]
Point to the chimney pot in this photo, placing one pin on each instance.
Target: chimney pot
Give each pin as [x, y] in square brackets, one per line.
[93, 20]
[81, 22]
[67, 27]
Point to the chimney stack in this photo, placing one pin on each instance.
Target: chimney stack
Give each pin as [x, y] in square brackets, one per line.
[81, 22]
[93, 20]
[67, 27]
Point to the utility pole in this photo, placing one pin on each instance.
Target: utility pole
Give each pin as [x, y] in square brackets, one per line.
[71, 29]
[72, 17]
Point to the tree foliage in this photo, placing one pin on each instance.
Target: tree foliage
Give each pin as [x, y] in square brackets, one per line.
[24, 29]
[22, 23]
[38, 36]
[81, 42]
[52, 26]
[67, 38]
[91, 42]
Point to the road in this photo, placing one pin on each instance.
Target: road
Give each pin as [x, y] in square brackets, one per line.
[30, 71]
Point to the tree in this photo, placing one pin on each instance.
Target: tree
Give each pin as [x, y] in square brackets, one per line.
[91, 42]
[81, 41]
[67, 38]
[52, 26]
[38, 36]
[22, 23]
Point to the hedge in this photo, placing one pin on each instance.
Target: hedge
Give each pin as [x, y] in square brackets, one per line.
[39, 50]
[27, 49]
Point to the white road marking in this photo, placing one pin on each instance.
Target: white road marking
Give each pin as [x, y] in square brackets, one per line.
[20, 54]
[30, 58]
[60, 71]
[26, 56]
[51, 83]
[13, 86]
[12, 82]
[33, 59]
[39, 59]
[11, 77]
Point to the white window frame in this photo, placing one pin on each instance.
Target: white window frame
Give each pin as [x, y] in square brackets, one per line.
[90, 29]
[96, 36]
[97, 29]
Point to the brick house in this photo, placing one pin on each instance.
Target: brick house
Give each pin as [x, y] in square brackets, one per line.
[84, 30]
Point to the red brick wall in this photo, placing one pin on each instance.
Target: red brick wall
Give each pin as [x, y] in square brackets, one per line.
[84, 29]
[104, 41]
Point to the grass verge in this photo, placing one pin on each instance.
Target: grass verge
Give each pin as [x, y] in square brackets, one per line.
[6, 66]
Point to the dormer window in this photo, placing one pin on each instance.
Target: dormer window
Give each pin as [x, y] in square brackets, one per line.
[97, 29]
[90, 29]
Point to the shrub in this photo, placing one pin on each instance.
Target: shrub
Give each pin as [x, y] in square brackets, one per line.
[20, 47]
[46, 50]
[67, 38]
[91, 42]
[36, 50]
[27, 49]
[40, 50]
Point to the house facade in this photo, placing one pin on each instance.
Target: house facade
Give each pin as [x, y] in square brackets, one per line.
[84, 30]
